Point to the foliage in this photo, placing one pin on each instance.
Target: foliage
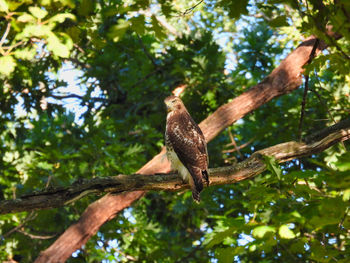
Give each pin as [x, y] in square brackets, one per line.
[131, 55]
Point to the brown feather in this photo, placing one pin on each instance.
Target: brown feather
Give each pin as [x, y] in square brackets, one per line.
[186, 139]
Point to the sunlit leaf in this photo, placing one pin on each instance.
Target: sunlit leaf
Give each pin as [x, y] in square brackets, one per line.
[7, 65]
[60, 18]
[31, 30]
[25, 18]
[285, 232]
[3, 6]
[26, 53]
[346, 195]
[57, 47]
[261, 231]
[38, 12]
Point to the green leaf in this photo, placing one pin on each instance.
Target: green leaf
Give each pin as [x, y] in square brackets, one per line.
[117, 31]
[261, 231]
[59, 49]
[285, 232]
[273, 166]
[86, 7]
[343, 163]
[44, 165]
[134, 149]
[26, 18]
[13, 5]
[37, 12]
[157, 28]
[218, 237]
[235, 8]
[4, 6]
[31, 30]
[279, 21]
[7, 65]
[138, 24]
[346, 195]
[26, 53]
[60, 18]
[225, 255]
[70, 3]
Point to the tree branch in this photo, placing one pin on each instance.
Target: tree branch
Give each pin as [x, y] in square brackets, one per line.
[170, 182]
[4, 36]
[189, 10]
[76, 96]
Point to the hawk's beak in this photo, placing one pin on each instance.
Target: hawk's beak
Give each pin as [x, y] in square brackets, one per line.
[168, 109]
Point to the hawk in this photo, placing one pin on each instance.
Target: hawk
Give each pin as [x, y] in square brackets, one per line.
[186, 146]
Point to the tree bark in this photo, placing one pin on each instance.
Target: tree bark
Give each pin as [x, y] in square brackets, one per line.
[172, 182]
[282, 80]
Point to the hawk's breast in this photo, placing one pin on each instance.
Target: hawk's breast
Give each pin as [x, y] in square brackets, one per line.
[176, 164]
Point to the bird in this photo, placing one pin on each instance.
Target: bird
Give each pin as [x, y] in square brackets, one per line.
[186, 148]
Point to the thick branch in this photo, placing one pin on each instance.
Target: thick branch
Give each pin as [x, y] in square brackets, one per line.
[170, 182]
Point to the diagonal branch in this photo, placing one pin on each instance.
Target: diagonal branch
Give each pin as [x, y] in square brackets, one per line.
[171, 182]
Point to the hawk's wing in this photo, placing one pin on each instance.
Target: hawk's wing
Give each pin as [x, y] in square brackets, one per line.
[189, 144]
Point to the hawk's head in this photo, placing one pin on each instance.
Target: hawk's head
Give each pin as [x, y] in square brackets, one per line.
[173, 103]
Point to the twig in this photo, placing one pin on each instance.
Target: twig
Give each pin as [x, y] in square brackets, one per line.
[238, 147]
[233, 142]
[189, 10]
[13, 46]
[4, 36]
[169, 27]
[303, 103]
[34, 236]
[342, 220]
[335, 44]
[79, 48]
[302, 112]
[75, 96]
[28, 218]
[190, 254]
[128, 257]
[313, 51]
[323, 105]
[146, 52]
[79, 63]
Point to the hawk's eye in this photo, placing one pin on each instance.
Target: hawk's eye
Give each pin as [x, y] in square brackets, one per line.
[173, 101]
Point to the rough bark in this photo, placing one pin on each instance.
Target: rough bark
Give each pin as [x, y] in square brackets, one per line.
[284, 79]
[172, 182]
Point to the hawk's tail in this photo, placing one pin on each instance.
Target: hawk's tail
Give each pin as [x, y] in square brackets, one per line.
[196, 183]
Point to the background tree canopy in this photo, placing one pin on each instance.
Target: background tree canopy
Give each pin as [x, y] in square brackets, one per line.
[130, 56]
